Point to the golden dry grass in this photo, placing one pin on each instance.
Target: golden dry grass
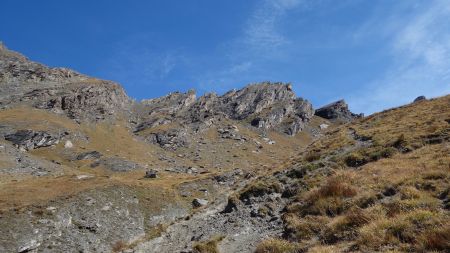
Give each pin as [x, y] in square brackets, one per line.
[209, 246]
[276, 246]
[114, 139]
[393, 201]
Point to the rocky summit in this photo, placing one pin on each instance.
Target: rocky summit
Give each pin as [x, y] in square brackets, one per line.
[85, 168]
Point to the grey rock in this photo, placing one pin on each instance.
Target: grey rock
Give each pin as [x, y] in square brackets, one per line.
[29, 139]
[196, 203]
[29, 246]
[231, 132]
[151, 174]
[337, 111]
[265, 105]
[420, 98]
[89, 155]
[60, 90]
[169, 139]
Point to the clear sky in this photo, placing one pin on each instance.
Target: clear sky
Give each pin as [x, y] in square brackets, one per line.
[375, 54]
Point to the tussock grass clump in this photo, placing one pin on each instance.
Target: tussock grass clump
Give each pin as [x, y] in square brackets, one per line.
[312, 156]
[437, 239]
[303, 228]
[260, 188]
[335, 187]
[209, 246]
[119, 246]
[367, 155]
[277, 246]
[419, 228]
[328, 199]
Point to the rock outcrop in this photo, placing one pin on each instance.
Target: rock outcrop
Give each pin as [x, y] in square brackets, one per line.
[266, 106]
[59, 90]
[420, 98]
[29, 139]
[337, 111]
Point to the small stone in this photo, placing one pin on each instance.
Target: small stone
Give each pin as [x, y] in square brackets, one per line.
[192, 170]
[203, 190]
[151, 174]
[81, 177]
[199, 203]
[323, 126]
[68, 144]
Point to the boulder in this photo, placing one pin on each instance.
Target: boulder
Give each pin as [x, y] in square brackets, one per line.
[151, 174]
[29, 139]
[420, 98]
[196, 203]
[89, 155]
[169, 139]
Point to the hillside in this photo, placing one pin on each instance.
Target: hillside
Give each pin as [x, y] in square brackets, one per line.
[378, 184]
[85, 168]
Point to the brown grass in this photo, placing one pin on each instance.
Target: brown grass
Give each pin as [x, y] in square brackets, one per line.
[276, 246]
[209, 246]
[119, 246]
[437, 239]
[348, 207]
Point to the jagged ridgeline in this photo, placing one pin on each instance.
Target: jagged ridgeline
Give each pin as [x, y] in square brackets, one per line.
[85, 168]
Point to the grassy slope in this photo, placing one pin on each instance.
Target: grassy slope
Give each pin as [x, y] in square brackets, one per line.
[378, 184]
[115, 140]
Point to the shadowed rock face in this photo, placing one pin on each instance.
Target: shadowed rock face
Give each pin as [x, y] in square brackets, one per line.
[337, 111]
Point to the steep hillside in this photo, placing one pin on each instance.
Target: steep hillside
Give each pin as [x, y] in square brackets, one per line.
[378, 184]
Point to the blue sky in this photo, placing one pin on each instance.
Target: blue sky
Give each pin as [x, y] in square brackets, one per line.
[375, 54]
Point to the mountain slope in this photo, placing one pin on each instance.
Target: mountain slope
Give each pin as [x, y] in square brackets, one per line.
[75, 150]
[378, 184]
[84, 168]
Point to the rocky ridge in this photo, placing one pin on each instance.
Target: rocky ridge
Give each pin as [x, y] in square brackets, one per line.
[337, 111]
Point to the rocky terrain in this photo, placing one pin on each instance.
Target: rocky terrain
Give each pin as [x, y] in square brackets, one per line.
[85, 168]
